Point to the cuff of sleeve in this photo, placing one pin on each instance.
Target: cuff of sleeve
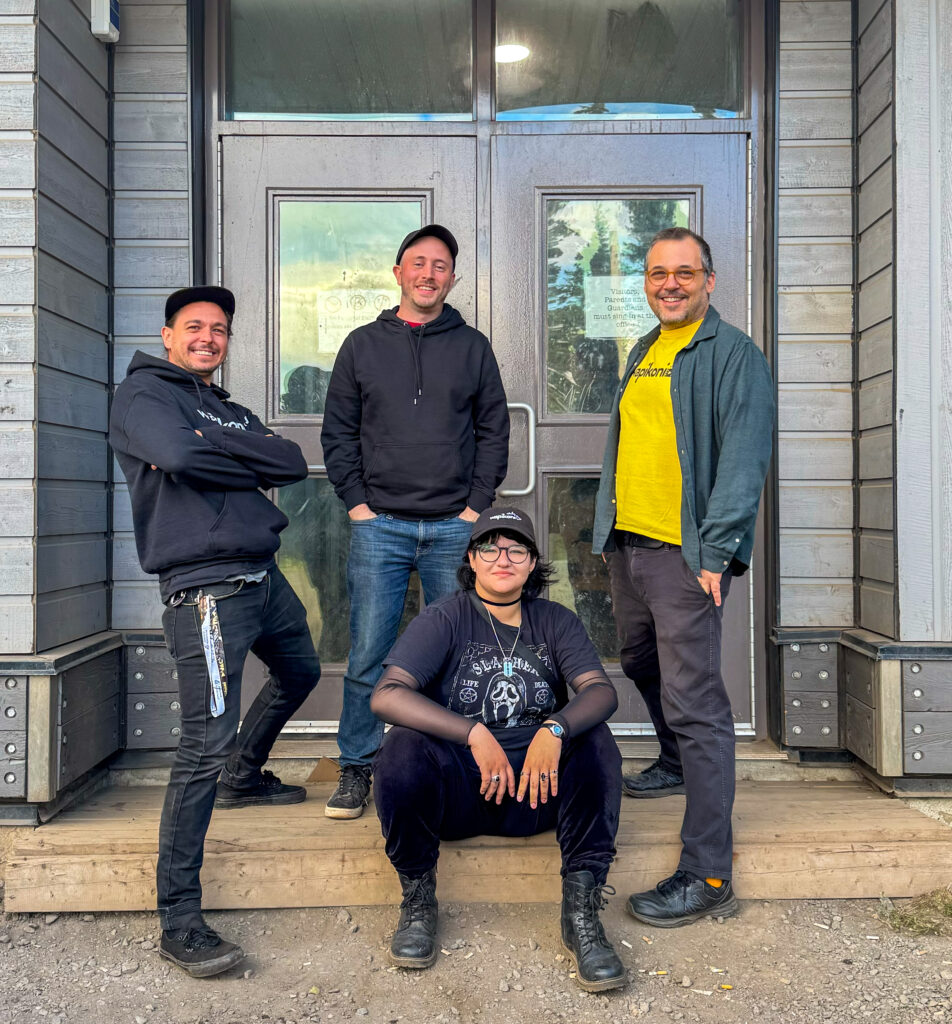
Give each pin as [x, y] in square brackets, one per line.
[714, 560]
[355, 495]
[478, 501]
[215, 434]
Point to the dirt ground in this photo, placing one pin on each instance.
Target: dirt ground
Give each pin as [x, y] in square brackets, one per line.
[801, 961]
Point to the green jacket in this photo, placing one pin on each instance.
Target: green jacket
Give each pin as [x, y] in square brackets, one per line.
[722, 394]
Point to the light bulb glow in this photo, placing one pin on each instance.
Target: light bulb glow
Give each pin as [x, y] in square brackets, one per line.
[510, 53]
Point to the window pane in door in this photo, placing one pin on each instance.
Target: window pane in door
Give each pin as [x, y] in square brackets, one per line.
[335, 272]
[313, 557]
[360, 60]
[595, 302]
[599, 59]
[582, 583]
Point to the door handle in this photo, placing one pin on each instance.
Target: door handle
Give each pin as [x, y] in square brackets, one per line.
[530, 484]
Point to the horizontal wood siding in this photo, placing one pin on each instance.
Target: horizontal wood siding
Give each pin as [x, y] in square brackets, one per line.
[152, 256]
[875, 572]
[17, 327]
[72, 274]
[815, 314]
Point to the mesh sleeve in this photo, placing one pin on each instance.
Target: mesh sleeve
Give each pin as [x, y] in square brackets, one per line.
[397, 699]
[594, 702]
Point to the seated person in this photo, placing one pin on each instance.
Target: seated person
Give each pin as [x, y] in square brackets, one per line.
[485, 742]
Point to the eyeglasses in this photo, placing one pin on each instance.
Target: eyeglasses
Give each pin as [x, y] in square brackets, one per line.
[683, 275]
[516, 554]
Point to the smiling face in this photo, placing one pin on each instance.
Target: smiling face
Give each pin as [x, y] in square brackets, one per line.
[198, 339]
[425, 275]
[502, 579]
[673, 303]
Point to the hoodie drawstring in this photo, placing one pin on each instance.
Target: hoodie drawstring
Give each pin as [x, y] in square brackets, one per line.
[417, 362]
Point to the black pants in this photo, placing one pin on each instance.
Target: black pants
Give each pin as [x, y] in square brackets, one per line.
[427, 789]
[670, 633]
[268, 619]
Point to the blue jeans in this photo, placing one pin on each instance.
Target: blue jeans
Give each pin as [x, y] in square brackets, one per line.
[383, 551]
[268, 619]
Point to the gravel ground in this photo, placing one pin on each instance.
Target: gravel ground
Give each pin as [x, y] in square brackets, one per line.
[799, 961]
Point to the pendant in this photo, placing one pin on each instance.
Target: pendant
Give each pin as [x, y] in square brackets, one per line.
[507, 667]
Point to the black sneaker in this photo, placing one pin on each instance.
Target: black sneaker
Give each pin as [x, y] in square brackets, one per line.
[681, 899]
[269, 789]
[350, 797]
[200, 952]
[655, 780]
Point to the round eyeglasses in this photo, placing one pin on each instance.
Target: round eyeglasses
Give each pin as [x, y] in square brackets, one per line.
[516, 553]
[683, 275]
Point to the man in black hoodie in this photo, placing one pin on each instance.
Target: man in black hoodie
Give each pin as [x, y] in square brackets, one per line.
[196, 464]
[416, 441]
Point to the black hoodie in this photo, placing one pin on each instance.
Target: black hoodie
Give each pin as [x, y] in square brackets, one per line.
[200, 516]
[416, 422]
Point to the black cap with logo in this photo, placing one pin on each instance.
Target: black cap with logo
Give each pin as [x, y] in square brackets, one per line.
[430, 231]
[513, 520]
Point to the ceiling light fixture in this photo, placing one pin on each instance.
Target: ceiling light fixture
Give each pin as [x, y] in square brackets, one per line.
[510, 53]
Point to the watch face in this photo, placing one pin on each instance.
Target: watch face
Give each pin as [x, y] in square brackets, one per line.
[556, 730]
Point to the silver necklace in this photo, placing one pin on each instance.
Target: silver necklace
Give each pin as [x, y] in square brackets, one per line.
[506, 661]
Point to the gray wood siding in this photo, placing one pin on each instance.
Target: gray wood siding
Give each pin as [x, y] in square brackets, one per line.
[152, 254]
[17, 327]
[72, 338]
[815, 314]
[874, 321]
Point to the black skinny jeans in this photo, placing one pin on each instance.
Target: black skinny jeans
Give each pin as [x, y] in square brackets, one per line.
[268, 619]
[427, 789]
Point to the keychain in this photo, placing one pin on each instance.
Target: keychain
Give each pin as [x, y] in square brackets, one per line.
[214, 652]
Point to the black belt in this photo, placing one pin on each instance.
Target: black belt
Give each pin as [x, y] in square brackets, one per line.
[627, 539]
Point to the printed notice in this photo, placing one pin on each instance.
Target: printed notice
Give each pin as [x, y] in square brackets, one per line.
[340, 310]
[616, 307]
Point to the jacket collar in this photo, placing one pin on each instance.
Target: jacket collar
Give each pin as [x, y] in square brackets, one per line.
[707, 329]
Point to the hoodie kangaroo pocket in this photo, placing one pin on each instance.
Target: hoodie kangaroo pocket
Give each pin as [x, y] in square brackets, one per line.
[425, 470]
[215, 546]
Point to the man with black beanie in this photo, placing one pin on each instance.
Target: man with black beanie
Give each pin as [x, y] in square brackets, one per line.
[416, 441]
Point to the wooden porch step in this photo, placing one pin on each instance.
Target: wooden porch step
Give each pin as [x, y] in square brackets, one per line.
[793, 840]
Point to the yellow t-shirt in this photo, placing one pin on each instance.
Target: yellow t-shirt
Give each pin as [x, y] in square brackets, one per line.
[647, 470]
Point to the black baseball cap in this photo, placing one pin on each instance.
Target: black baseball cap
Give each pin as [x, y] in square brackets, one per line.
[430, 231]
[200, 293]
[513, 520]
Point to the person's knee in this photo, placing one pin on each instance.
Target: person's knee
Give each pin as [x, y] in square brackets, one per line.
[595, 757]
[202, 759]
[640, 664]
[405, 757]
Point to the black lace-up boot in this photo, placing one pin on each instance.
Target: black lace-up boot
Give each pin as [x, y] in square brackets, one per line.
[199, 950]
[414, 942]
[597, 966]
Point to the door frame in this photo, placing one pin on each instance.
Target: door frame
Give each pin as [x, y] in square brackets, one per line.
[206, 33]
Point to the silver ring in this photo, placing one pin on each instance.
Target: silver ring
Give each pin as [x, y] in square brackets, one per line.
[554, 771]
[495, 778]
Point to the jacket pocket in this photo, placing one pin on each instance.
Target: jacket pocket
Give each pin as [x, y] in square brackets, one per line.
[427, 471]
[215, 546]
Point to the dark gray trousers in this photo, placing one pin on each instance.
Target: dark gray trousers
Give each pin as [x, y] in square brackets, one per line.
[670, 633]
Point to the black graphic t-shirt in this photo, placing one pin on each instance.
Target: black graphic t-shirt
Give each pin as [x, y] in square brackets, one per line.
[451, 651]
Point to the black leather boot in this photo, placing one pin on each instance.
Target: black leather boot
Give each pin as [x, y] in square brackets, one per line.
[597, 966]
[414, 942]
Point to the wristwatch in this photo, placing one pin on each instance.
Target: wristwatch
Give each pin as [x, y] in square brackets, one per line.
[557, 730]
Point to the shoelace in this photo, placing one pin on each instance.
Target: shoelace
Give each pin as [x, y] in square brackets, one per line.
[588, 927]
[677, 881]
[269, 780]
[415, 899]
[352, 778]
[200, 938]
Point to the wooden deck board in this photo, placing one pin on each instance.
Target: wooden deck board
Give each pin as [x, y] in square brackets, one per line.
[803, 840]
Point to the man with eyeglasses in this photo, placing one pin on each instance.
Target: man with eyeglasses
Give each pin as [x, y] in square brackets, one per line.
[689, 441]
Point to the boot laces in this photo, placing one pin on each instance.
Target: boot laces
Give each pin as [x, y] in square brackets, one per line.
[353, 779]
[588, 926]
[416, 898]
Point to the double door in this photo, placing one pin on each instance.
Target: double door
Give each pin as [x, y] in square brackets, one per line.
[553, 231]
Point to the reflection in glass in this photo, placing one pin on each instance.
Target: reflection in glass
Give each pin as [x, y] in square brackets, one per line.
[360, 60]
[313, 557]
[582, 582]
[599, 59]
[335, 272]
[595, 302]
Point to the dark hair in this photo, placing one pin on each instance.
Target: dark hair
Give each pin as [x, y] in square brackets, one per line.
[171, 320]
[542, 575]
[678, 235]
